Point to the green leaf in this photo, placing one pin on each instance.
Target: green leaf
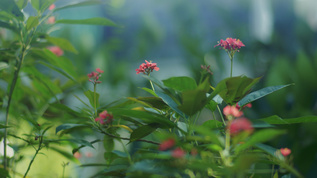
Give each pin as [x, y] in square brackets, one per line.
[65, 154]
[3, 65]
[277, 120]
[32, 22]
[154, 101]
[147, 117]
[92, 98]
[108, 143]
[62, 43]
[142, 131]
[234, 89]
[8, 26]
[80, 4]
[170, 102]
[41, 5]
[194, 100]
[260, 137]
[91, 21]
[21, 3]
[67, 126]
[57, 69]
[10, 7]
[259, 94]
[78, 141]
[2, 126]
[180, 83]
[213, 124]
[208, 134]
[4, 173]
[149, 91]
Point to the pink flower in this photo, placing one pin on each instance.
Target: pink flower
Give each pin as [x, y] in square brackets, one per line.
[94, 76]
[77, 155]
[249, 105]
[232, 111]
[147, 68]
[88, 154]
[104, 118]
[238, 125]
[285, 151]
[167, 144]
[230, 44]
[56, 50]
[51, 20]
[178, 153]
[51, 7]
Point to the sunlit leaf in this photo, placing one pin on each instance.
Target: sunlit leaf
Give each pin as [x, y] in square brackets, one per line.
[32, 22]
[213, 124]
[259, 94]
[62, 43]
[92, 21]
[3, 65]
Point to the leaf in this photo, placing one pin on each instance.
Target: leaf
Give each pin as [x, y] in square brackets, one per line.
[260, 137]
[180, 83]
[277, 120]
[171, 103]
[10, 7]
[194, 100]
[213, 124]
[2, 126]
[9, 26]
[21, 3]
[93, 98]
[208, 134]
[3, 65]
[91, 21]
[78, 141]
[62, 43]
[67, 126]
[235, 88]
[41, 5]
[65, 154]
[155, 102]
[80, 4]
[142, 131]
[259, 94]
[149, 91]
[108, 143]
[147, 117]
[32, 22]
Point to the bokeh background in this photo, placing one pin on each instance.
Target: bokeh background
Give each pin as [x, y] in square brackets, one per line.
[280, 40]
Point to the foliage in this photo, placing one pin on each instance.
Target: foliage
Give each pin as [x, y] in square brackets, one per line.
[164, 125]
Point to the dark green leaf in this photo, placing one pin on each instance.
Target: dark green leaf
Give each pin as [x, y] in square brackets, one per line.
[80, 4]
[277, 120]
[62, 43]
[10, 7]
[259, 94]
[170, 102]
[142, 131]
[32, 22]
[67, 126]
[2, 126]
[93, 98]
[21, 3]
[260, 137]
[8, 26]
[108, 143]
[180, 83]
[4, 172]
[91, 21]
[93, 165]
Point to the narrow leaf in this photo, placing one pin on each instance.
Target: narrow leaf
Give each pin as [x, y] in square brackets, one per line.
[67, 126]
[259, 94]
[91, 21]
[62, 43]
[80, 4]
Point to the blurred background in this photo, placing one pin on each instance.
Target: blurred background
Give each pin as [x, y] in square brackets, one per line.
[280, 40]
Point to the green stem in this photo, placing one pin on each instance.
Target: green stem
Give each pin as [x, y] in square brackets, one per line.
[231, 68]
[152, 86]
[126, 151]
[227, 148]
[95, 100]
[37, 151]
[223, 120]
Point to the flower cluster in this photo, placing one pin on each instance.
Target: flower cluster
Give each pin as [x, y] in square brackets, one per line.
[232, 111]
[147, 68]
[104, 118]
[94, 76]
[167, 144]
[285, 151]
[206, 69]
[238, 125]
[230, 44]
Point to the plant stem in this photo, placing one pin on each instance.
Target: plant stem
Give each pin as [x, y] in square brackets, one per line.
[126, 151]
[227, 148]
[13, 83]
[223, 120]
[36, 152]
[95, 102]
[231, 67]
